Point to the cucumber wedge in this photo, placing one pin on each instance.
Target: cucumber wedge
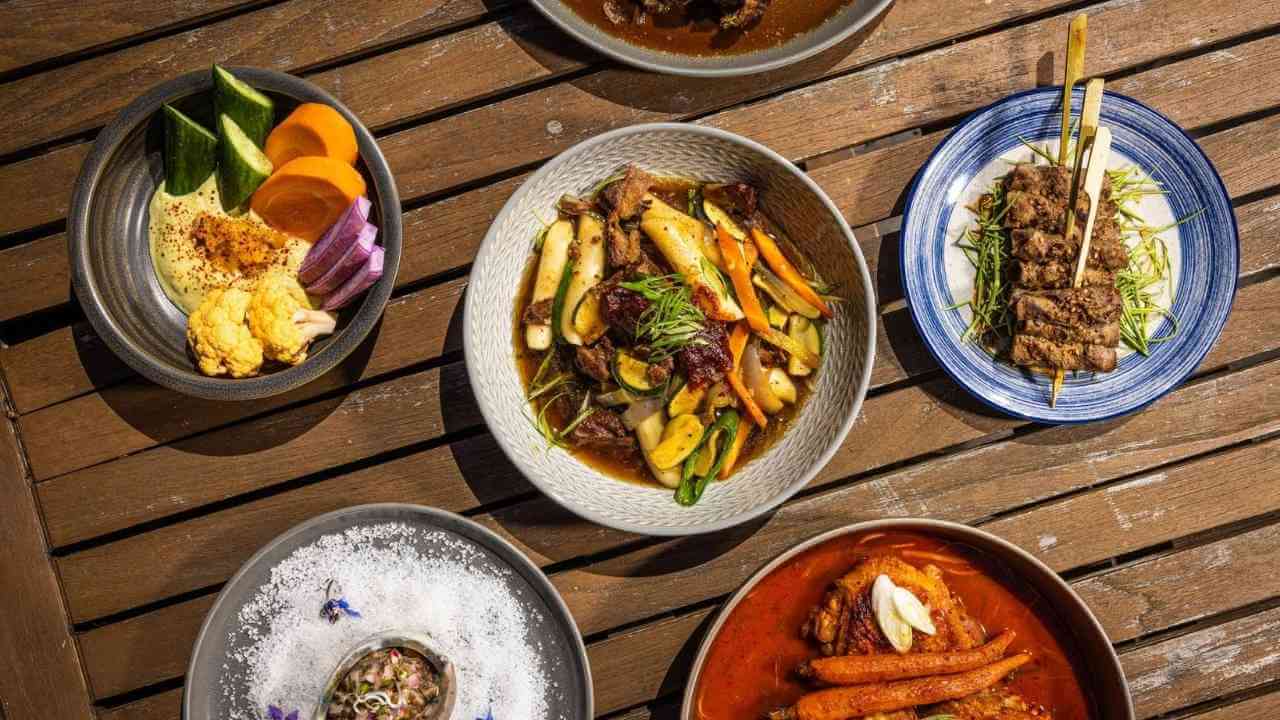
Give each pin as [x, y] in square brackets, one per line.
[241, 165]
[252, 111]
[190, 153]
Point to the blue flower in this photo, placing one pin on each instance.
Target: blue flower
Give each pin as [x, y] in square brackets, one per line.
[487, 716]
[335, 607]
[275, 713]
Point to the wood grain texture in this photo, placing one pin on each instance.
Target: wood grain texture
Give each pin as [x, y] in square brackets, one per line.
[40, 30]
[905, 27]
[42, 675]
[1262, 706]
[165, 706]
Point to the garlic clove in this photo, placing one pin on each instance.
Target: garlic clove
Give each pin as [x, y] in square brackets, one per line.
[912, 611]
[892, 624]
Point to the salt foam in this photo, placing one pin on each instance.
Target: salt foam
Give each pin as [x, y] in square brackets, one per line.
[284, 651]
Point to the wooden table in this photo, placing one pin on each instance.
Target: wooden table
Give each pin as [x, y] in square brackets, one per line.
[127, 506]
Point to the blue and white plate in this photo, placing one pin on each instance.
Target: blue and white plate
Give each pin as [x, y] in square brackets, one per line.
[1204, 253]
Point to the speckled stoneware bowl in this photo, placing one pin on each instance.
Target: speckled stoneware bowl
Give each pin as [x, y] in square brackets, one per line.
[111, 267]
[1097, 667]
[791, 199]
[840, 26]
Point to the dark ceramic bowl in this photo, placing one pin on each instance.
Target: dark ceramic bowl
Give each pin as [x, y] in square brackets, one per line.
[1097, 666]
[111, 267]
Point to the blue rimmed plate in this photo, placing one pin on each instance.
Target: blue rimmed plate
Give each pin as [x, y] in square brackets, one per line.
[1204, 253]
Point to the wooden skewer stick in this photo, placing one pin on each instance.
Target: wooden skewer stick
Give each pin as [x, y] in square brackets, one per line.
[1099, 154]
[1089, 115]
[1074, 71]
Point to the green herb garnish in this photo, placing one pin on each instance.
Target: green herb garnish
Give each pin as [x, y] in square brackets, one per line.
[672, 322]
[986, 245]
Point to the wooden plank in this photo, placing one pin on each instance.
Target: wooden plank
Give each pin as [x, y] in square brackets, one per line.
[1205, 664]
[658, 643]
[1263, 706]
[42, 676]
[205, 551]
[42, 30]
[865, 187]
[904, 27]
[165, 706]
[126, 418]
[1186, 586]
[86, 95]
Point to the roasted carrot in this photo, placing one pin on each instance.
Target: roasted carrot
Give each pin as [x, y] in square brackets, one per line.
[856, 669]
[851, 701]
[735, 263]
[312, 129]
[779, 263]
[735, 450]
[306, 196]
[738, 343]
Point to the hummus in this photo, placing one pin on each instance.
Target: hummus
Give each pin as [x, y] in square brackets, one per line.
[186, 269]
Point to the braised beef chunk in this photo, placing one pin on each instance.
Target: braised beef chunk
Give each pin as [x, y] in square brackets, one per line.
[650, 264]
[622, 308]
[771, 356]
[1034, 351]
[660, 372]
[593, 360]
[603, 430]
[1104, 334]
[1072, 306]
[740, 13]
[574, 206]
[705, 362]
[626, 197]
[623, 244]
[1056, 275]
[737, 198]
[538, 313]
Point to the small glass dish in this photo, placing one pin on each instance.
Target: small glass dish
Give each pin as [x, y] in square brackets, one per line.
[440, 701]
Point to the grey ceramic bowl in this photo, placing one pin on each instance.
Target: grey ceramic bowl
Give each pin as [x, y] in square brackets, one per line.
[845, 23]
[111, 267]
[1097, 668]
[551, 628]
[791, 199]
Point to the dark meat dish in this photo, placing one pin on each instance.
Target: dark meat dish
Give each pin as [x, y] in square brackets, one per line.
[1059, 327]
[628, 321]
[731, 13]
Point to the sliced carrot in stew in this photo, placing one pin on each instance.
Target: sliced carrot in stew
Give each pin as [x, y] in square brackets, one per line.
[740, 274]
[738, 343]
[306, 196]
[313, 129]
[779, 263]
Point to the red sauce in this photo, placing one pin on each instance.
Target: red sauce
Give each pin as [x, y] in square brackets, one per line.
[749, 669]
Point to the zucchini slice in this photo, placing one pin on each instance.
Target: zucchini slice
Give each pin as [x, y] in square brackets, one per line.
[680, 438]
[632, 374]
[190, 153]
[686, 401]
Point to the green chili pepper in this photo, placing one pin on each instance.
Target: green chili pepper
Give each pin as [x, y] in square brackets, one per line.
[557, 305]
[691, 488]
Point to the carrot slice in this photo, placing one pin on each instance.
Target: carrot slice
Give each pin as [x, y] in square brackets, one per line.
[313, 129]
[735, 450]
[740, 274]
[306, 196]
[779, 263]
[738, 343]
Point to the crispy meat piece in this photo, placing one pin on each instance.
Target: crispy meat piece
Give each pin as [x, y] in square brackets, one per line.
[647, 265]
[1034, 245]
[995, 704]
[1037, 352]
[1056, 275]
[738, 198]
[623, 244]
[1027, 210]
[1070, 306]
[604, 431]
[844, 623]
[626, 197]
[537, 313]
[594, 360]
[622, 308]
[705, 363]
[574, 206]
[660, 372]
[1107, 335]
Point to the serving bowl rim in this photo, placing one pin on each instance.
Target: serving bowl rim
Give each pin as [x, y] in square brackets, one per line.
[472, 359]
[625, 52]
[1094, 631]
[449, 522]
[136, 115]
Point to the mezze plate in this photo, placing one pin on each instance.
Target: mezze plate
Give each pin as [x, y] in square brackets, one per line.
[1199, 233]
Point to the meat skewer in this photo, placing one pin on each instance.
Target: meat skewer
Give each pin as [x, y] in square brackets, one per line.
[852, 701]
[858, 669]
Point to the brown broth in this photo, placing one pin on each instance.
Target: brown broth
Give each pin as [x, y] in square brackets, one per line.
[684, 33]
[749, 669]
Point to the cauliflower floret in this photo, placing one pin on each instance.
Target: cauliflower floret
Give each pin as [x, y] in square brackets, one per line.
[280, 316]
[219, 337]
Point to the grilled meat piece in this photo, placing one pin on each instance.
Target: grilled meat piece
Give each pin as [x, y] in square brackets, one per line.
[995, 704]
[706, 362]
[1107, 335]
[845, 624]
[537, 313]
[1105, 253]
[1037, 352]
[622, 308]
[741, 13]
[1070, 306]
[740, 199]
[1056, 275]
[623, 245]
[604, 431]
[660, 372]
[626, 196]
[593, 360]
[1052, 182]
[1027, 210]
